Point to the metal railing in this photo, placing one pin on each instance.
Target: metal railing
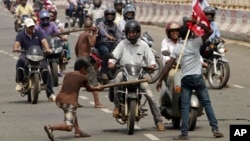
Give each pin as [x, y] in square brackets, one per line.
[223, 4]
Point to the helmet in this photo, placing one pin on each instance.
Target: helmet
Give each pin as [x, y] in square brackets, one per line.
[147, 38]
[44, 17]
[210, 11]
[128, 9]
[97, 3]
[133, 25]
[171, 26]
[52, 9]
[109, 11]
[118, 5]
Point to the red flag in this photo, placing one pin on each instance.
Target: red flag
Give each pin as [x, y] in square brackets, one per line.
[199, 16]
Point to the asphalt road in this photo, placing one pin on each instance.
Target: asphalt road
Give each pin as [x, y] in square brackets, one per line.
[21, 121]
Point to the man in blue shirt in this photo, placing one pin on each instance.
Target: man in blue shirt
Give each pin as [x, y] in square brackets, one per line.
[26, 38]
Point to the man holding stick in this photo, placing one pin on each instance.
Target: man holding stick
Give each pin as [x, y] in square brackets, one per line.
[192, 79]
[86, 40]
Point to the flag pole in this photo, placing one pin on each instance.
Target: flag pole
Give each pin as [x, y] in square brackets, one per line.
[182, 50]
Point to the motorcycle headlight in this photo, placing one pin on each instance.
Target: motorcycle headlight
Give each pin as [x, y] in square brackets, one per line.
[132, 77]
[34, 58]
[58, 50]
[221, 48]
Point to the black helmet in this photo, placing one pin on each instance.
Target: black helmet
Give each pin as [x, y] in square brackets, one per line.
[109, 11]
[128, 9]
[210, 11]
[132, 25]
[118, 5]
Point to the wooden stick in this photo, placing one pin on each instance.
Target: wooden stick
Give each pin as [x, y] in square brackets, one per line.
[69, 31]
[182, 50]
[124, 83]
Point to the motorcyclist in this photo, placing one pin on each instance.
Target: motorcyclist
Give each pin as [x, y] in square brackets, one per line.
[71, 8]
[96, 11]
[24, 8]
[107, 38]
[210, 14]
[135, 51]
[168, 44]
[128, 14]
[24, 39]
[53, 18]
[118, 6]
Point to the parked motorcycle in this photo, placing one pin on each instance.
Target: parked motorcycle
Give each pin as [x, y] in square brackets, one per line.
[218, 71]
[171, 100]
[56, 58]
[132, 106]
[32, 75]
[19, 22]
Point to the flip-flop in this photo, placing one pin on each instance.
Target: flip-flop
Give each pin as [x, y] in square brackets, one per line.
[49, 132]
[82, 134]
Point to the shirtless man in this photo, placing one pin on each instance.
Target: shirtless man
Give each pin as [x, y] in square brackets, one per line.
[86, 40]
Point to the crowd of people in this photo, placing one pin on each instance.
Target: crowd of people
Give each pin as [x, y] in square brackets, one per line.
[118, 32]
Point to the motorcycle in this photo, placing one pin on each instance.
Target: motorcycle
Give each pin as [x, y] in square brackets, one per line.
[171, 100]
[19, 22]
[80, 14]
[218, 71]
[32, 85]
[56, 58]
[132, 107]
[153, 75]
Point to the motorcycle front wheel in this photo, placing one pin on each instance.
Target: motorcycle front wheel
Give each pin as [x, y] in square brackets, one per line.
[131, 117]
[54, 73]
[219, 80]
[34, 88]
[155, 75]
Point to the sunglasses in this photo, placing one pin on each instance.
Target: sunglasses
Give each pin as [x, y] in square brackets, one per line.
[31, 27]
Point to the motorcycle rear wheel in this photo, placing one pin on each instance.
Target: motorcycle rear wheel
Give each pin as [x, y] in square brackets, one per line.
[193, 114]
[215, 81]
[131, 117]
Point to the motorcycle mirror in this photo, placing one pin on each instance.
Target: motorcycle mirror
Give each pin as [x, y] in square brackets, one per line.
[66, 25]
[165, 53]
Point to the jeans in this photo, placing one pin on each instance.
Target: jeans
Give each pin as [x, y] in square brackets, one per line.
[195, 82]
[149, 95]
[46, 76]
[71, 10]
[104, 50]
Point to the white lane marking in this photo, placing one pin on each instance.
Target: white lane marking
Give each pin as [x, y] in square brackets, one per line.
[83, 97]
[106, 110]
[93, 103]
[151, 137]
[238, 86]
[137, 127]
[16, 58]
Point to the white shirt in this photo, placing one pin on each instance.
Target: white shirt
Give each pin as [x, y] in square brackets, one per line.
[169, 45]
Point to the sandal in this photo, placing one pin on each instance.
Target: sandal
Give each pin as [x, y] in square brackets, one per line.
[49, 132]
[81, 134]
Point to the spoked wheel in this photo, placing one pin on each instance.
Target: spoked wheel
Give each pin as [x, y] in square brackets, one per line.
[131, 117]
[34, 88]
[155, 75]
[218, 80]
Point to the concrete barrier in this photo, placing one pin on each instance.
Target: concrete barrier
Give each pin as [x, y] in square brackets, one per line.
[233, 23]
